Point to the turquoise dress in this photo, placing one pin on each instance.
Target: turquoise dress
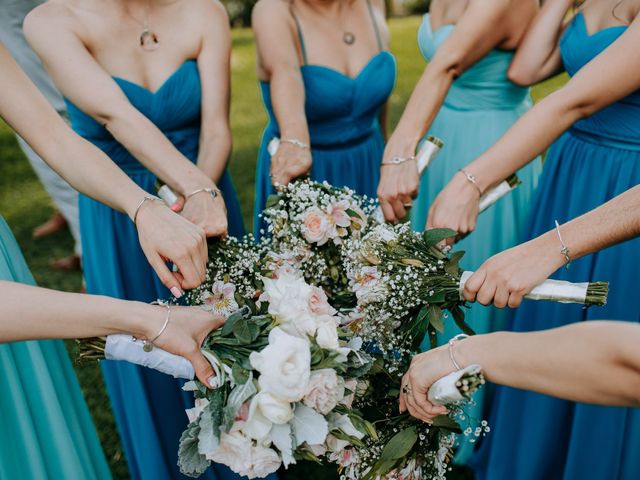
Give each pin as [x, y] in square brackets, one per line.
[46, 431]
[534, 436]
[342, 115]
[480, 107]
[148, 405]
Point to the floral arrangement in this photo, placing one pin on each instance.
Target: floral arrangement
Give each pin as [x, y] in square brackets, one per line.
[323, 317]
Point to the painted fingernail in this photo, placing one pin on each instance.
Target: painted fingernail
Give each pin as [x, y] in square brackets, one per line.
[212, 381]
[176, 292]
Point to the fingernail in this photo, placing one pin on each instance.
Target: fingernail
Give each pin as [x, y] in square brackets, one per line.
[212, 381]
[176, 292]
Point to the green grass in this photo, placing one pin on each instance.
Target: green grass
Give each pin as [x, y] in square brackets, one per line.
[24, 204]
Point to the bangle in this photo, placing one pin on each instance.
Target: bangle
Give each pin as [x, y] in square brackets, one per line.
[471, 178]
[564, 250]
[149, 344]
[151, 198]
[296, 142]
[397, 160]
[214, 192]
[459, 337]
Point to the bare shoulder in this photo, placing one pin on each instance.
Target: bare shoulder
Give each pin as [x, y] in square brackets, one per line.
[269, 12]
[208, 10]
[49, 16]
[379, 10]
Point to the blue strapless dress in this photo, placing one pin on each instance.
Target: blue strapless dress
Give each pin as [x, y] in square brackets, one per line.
[46, 431]
[539, 437]
[480, 107]
[342, 115]
[148, 405]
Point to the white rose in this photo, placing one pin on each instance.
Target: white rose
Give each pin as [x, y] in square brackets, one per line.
[274, 409]
[234, 452]
[288, 297]
[284, 366]
[327, 333]
[325, 390]
[264, 462]
[316, 226]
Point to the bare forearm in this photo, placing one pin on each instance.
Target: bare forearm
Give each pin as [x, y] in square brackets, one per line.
[30, 313]
[149, 145]
[594, 362]
[531, 135]
[214, 152]
[288, 97]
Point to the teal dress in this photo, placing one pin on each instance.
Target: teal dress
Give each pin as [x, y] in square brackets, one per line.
[342, 115]
[535, 436]
[46, 431]
[480, 107]
[148, 406]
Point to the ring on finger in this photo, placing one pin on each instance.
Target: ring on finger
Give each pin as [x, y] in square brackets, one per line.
[406, 390]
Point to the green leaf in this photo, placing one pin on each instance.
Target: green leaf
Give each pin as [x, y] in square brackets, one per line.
[452, 267]
[435, 318]
[272, 201]
[447, 423]
[191, 462]
[234, 318]
[458, 317]
[242, 331]
[435, 235]
[400, 445]
[239, 374]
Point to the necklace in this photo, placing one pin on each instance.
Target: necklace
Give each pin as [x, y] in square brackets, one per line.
[349, 38]
[148, 38]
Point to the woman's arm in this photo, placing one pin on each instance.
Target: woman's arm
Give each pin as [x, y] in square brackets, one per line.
[538, 55]
[31, 313]
[609, 77]
[477, 32]
[163, 234]
[52, 31]
[593, 362]
[505, 278]
[278, 57]
[214, 67]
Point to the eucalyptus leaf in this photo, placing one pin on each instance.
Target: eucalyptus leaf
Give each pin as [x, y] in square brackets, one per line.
[447, 423]
[435, 318]
[434, 236]
[400, 444]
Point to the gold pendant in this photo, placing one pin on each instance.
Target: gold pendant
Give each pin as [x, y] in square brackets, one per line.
[147, 347]
[149, 40]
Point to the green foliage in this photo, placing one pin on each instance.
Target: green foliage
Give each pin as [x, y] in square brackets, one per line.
[24, 204]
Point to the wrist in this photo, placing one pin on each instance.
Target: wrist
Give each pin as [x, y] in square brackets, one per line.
[548, 249]
[400, 148]
[193, 182]
[138, 319]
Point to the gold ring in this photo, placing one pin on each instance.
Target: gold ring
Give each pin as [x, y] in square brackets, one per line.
[406, 390]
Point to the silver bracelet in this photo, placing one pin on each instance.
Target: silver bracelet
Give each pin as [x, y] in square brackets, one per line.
[214, 192]
[146, 198]
[564, 250]
[472, 179]
[397, 160]
[147, 345]
[458, 337]
[296, 142]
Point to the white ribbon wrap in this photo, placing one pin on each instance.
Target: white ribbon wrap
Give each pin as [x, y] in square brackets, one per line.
[425, 156]
[124, 347]
[555, 290]
[445, 390]
[494, 194]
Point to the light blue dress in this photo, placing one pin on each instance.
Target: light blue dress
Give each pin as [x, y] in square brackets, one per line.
[480, 107]
[148, 405]
[46, 431]
[342, 116]
[535, 436]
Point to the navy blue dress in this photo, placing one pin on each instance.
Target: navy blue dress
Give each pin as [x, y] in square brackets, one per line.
[148, 405]
[539, 437]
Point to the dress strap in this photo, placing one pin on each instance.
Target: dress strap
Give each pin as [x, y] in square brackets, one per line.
[375, 25]
[300, 36]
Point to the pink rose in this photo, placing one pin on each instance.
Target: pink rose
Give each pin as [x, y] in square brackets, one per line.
[319, 303]
[316, 226]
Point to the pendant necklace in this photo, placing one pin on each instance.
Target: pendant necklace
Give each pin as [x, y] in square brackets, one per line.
[148, 38]
[349, 38]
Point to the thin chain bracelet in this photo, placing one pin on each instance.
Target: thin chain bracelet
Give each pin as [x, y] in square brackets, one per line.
[471, 178]
[296, 142]
[397, 160]
[564, 250]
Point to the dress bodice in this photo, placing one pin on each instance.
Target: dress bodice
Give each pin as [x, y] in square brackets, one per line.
[341, 109]
[174, 108]
[485, 84]
[619, 123]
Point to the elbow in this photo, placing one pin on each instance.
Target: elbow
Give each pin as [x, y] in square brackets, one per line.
[113, 116]
[521, 76]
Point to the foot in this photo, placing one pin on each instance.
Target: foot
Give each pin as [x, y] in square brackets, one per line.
[66, 263]
[56, 223]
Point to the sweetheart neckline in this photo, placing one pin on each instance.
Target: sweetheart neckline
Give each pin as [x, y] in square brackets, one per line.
[162, 85]
[359, 74]
[596, 33]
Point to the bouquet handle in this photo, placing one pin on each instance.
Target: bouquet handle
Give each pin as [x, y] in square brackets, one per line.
[586, 293]
[446, 390]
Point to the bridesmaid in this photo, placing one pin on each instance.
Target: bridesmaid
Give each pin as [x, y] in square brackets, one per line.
[595, 123]
[326, 74]
[148, 83]
[465, 98]
[46, 429]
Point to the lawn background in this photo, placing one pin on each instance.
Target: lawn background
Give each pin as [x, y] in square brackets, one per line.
[24, 203]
